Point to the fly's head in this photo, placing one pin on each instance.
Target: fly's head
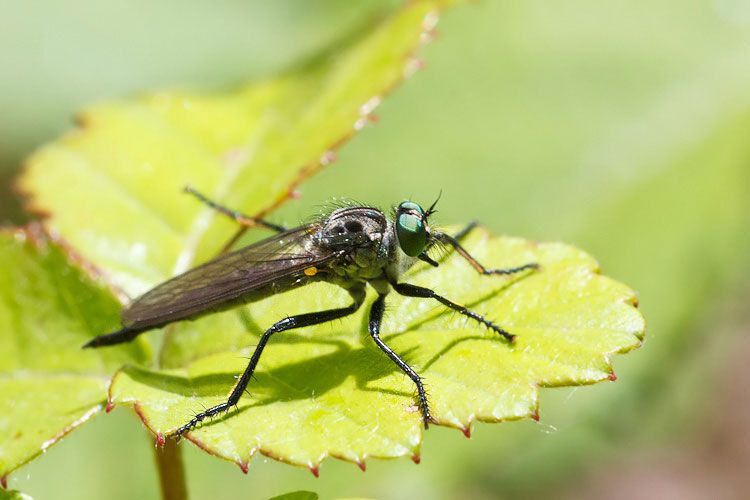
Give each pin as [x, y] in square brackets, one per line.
[412, 231]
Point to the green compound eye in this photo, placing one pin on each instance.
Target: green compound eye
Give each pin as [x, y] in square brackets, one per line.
[410, 229]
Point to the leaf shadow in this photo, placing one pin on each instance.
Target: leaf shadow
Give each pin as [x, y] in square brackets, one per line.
[309, 378]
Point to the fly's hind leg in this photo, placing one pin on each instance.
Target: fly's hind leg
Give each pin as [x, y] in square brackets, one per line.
[289, 323]
[243, 220]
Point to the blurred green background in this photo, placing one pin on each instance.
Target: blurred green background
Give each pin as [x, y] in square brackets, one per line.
[621, 127]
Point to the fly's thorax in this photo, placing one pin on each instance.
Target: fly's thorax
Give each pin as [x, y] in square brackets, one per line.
[356, 233]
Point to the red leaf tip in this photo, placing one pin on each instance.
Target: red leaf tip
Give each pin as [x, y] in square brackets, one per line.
[416, 459]
[160, 440]
[110, 406]
[315, 470]
[4, 482]
[244, 466]
[535, 415]
[362, 465]
[467, 431]
[612, 376]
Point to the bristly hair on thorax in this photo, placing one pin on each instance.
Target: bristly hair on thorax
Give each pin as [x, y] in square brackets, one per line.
[324, 210]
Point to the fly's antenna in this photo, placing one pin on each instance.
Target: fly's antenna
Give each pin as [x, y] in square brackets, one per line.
[432, 210]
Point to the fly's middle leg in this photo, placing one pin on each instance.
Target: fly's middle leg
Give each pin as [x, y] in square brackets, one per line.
[376, 317]
[289, 323]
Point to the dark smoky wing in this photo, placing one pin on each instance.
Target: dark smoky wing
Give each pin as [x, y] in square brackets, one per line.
[225, 278]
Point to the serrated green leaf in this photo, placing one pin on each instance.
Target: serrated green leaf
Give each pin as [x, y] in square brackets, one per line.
[124, 168]
[49, 309]
[328, 391]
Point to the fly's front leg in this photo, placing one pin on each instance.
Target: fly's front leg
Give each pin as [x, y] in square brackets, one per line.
[289, 323]
[410, 290]
[376, 317]
[244, 220]
[453, 241]
[462, 233]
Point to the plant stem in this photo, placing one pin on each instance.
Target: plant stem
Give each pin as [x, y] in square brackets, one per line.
[171, 472]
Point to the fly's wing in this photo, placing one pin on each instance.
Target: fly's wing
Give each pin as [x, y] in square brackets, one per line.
[225, 278]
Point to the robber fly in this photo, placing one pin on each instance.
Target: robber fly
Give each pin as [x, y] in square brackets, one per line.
[351, 247]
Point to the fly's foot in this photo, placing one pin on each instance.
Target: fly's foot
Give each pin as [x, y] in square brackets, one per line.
[489, 324]
[508, 336]
[424, 406]
[428, 419]
[193, 423]
[177, 434]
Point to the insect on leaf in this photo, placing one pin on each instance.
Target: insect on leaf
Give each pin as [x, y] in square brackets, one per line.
[344, 398]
